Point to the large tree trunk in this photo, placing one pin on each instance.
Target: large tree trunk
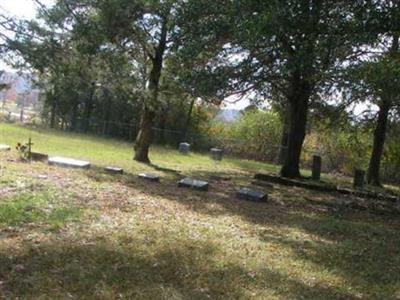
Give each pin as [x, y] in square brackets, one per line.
[298, 100]
[144, 137]
[379, 142]
[380, 130]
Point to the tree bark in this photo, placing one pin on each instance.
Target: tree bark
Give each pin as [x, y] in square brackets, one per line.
[298, 100]
[144, 137]
[373, 177]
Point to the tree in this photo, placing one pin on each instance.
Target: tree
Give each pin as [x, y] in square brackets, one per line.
[288, 47]
[74, 69]
[376, 77]
[379, 82]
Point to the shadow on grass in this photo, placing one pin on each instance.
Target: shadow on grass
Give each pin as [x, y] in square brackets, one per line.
[361, 248]
[132, 269]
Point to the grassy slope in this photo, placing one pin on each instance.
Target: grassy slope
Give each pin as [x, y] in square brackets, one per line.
[88, 235]
[101, 151]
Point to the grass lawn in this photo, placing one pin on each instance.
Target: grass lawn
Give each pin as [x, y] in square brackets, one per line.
[83, 234]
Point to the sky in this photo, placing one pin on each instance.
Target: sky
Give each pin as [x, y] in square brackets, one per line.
[22, 9]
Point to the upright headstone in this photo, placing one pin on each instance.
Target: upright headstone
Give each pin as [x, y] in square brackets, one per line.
[184, 148]
[359, 178]
[216, 154]
[316, 167]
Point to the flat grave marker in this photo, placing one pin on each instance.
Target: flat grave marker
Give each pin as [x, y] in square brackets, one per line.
[114, 170]
[4, 147]
[194, 183]
[68, 162]
[37, 156]
[149, 177]
[251, 195]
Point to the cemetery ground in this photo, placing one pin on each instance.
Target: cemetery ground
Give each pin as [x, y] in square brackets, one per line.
[86, 234]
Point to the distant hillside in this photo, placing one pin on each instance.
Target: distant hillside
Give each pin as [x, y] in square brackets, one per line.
[228, 115]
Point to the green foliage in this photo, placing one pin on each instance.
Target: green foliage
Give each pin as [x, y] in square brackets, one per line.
[255, 134]
[23, 151]
[342, 149]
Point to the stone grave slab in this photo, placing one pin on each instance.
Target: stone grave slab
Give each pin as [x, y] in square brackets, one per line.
[149, 177]
[251, 195]
[4, 147]
[184, 148]
[37, 156]
[194, 183]
[114, 170]
[68, 162]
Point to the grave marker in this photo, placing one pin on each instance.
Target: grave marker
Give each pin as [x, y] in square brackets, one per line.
[37, 156]
[114, 170]
[149, 177]
[316, 167]
[68, 162]
[359, 178]
[216, 154]
[251, 195]
[194, 183]
[4, 147]
[184, 148]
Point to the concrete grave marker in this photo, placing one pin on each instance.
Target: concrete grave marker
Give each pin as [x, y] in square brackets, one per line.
[194, 183]
[39, 156]
[149, 177]
[252, 195]
[316, 167]
[216, 154]
[359, 179]
[184, 148]
[68, 162]
[4, 147]
[114, 170]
